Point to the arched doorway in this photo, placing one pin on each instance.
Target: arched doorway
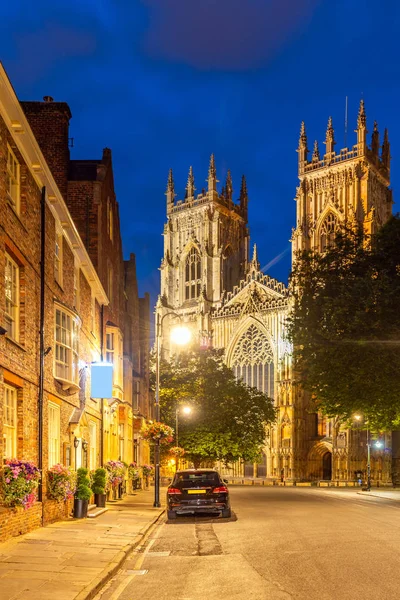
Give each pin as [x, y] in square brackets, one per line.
[327, 466]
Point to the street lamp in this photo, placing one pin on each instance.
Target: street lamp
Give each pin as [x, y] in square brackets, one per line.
[186, 411]
[377, 444]
[179, 335]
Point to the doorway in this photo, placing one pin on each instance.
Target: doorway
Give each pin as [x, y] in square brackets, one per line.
[327, 466]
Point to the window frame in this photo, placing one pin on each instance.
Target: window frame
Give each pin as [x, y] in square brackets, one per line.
[66, 340]
[13, 317]
[13, 179]
[11, 428]
[192, 275]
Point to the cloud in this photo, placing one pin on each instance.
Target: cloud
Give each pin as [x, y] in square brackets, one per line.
[223, 34]
[38, 51]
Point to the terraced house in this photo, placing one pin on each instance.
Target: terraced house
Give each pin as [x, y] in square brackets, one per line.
[75, 277]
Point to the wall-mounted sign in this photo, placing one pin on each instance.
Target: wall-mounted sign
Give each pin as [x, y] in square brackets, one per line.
[101, 380]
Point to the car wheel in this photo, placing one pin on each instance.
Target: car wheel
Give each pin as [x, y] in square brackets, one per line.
[171, 514]
[226, 513]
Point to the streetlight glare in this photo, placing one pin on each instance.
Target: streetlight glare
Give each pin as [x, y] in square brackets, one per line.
[187, 410]
[378, 444]
[358, 417]
[180, 335]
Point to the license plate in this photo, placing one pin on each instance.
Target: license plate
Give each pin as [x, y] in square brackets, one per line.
[197, 491]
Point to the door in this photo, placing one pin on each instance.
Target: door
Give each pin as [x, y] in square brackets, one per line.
[327, 466]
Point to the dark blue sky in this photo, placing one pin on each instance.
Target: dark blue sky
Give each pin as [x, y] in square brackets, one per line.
[166, 82]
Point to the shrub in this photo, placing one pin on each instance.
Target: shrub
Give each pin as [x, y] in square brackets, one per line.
[99, 481]
[19, 481]
[83, 491]
[61, 483]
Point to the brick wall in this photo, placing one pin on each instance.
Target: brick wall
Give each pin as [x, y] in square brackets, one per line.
[14, 522]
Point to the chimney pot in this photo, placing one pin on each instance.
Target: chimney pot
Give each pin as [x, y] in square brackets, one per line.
[48, 99]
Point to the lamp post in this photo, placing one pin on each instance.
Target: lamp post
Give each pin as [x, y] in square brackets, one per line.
[181, 336]
[378, 444]
[186, 410]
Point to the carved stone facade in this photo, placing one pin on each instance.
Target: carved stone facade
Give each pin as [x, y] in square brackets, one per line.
[209, 281]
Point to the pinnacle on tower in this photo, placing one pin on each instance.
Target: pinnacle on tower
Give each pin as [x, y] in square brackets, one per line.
[229, 186]
[190, 189]
[170, 192]
[386, 150]
[254, 261]
[244, 198]
[302, 148]
[212, 175]
[315, 155]
[303, 136]
[362, 117]
[375, 140]
[170, 183]
[329, 137]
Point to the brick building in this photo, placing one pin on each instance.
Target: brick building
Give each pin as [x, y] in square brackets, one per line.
[89, 312]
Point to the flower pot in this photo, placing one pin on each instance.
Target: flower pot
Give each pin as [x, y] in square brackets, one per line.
[100, 500]
[80, 508]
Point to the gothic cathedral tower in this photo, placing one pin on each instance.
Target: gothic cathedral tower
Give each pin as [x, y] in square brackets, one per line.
[341, 187]
[205, 252]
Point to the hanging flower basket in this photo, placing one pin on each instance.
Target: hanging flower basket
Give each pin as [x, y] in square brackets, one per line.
[157, 431]
[61, 483]
[147, 470]
[133, 471]
[19, 480]
[177, 451]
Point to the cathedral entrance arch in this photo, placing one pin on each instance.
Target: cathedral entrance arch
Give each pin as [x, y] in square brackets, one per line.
[319, 462]
[327, 466]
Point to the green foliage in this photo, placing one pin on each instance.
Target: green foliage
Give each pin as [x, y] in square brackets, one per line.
[345, 326]
[83, 490]
[99, 481]
[61, 483]
[228, 418]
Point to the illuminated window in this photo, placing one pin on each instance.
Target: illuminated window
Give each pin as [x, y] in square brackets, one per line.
[13, 179]
[58, 258]
[11, 313]
[10, 422]
[192, 275]
[54, 434]
[115, 355]
[253, 361]
[67, 346]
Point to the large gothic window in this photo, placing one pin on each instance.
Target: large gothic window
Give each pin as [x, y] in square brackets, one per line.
[192, 275]
[253, 361]
[329, 229]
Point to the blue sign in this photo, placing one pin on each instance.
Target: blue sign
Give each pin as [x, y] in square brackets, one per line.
[101, 380]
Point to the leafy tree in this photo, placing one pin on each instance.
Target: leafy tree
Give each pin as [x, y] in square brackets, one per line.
[228, 418]
[345, 325]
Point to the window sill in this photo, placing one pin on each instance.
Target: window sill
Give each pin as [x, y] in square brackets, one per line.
[67, 385]
[15, 343]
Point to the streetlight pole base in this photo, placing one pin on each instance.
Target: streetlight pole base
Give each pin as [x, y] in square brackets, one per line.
[157, 505]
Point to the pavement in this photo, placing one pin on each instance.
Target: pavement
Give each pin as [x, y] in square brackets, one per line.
[391, 494]
[72, 560]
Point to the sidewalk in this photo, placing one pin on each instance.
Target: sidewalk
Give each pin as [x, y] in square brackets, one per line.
[393, 494]
[72, 559]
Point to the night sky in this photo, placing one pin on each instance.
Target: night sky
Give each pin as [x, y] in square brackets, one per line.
[164, 83]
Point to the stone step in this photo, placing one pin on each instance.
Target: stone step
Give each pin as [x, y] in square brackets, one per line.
[92, 514]
[91, 506]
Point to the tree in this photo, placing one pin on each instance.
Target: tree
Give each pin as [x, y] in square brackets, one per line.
[345, 325]
[228, 418]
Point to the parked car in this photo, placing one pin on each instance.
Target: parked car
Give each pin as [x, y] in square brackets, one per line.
[198, 491]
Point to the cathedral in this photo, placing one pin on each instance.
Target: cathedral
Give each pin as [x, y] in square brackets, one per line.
[211, 280]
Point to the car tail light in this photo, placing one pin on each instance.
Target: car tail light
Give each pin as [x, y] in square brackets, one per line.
[173, 491]
[220, 490]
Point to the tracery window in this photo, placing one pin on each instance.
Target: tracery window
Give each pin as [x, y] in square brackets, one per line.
[253, 361]
[192, 275]
[329, 229]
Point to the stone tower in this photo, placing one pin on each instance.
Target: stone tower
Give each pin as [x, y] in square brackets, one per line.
[341, 187]
[206, 243]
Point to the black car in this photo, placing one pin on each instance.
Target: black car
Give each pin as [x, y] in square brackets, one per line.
[198, 491]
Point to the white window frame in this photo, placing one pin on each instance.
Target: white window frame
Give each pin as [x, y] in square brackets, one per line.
[10, 421]
[13, 175]
[93, 445]
[58, 258]
[115, 354]
[11, 287]
[54, 434]
[66, 338]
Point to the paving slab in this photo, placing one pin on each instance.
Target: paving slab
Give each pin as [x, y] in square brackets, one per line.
[72, 559]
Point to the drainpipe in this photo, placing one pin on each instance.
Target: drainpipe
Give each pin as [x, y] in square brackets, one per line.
[41, 342]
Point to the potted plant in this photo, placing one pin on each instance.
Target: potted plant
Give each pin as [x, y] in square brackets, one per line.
[61, 483]
[147, 470]
[116, 473]
[99, 487]
[133, 474]
[82, 495]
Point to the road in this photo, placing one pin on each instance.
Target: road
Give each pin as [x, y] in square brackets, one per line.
[281, 544]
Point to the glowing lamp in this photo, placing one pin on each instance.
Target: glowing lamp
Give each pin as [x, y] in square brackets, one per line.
[180, 335]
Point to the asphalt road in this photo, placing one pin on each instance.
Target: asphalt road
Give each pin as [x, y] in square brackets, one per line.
[281, 544]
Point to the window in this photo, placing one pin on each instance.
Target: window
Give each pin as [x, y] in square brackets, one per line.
[54, 434]
[114, 355]
[67, 346]
[13, 178]
[12, 298]
[58, 258]
[253, 361]
[136, 395]
[329, 230]
[10, 422]
[77, 290]
[192, 275]
[93, 445]
[110, 347]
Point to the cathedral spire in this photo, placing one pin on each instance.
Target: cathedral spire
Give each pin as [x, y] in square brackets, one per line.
[361, 129]
[229, 186]
[329, 137]
[243, 198]
[315, 155]
[386, 151]
[254, 264]
[170, 192]
[212, 175]
[190, 189]
[302, 148]
[375, 140]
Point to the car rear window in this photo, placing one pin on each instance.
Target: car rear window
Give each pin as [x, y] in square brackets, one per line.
[196, 479]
